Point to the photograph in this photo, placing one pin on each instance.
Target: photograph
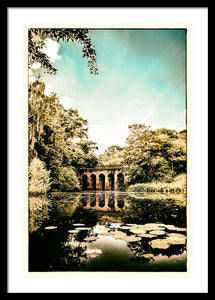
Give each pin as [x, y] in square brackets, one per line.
[107, 148]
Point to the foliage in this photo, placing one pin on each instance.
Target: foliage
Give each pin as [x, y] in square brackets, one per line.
[113, 156]
[39, 177]
[58, 137]
[67, 180]
[36, 43]
[152, 155]
[39, 207]
[178, 184]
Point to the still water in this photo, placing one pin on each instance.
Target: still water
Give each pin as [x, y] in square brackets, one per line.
[106, 231]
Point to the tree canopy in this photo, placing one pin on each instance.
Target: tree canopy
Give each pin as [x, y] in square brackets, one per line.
[112, 156]
[36, 43]
[58, 137]
[154, 154]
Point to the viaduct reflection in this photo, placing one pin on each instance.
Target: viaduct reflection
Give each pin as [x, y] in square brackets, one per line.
[104, 201]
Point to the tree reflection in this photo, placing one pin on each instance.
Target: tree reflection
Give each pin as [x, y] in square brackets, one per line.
[38, 208]
[147, 210]
[70, 258]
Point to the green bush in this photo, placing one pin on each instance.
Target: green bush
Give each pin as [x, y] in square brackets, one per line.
[39, 178]
[177, 184]
[67, 180]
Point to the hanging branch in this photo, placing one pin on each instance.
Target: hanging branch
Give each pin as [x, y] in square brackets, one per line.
[36, 42]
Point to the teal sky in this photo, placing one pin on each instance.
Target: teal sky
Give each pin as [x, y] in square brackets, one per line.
[141, 80]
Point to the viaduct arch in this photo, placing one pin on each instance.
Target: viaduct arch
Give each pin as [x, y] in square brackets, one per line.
[102, 178]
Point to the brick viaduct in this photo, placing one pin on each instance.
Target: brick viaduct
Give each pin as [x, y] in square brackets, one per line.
[102, 178]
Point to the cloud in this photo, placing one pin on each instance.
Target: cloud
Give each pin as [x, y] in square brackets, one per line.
[67, 102]
[95, 132]
[48, 89]
[31, 78]
[106, 136]
[51, 49]
[32, 71]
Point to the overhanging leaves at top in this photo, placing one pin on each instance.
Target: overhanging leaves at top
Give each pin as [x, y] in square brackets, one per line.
[36, 42]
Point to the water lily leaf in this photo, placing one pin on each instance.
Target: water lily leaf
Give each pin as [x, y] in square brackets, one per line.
[148, 255]
[82, 228]
[176, 238]
[137, 230]
[157, 232]
[78, 224]
[147, 235]
[73, 231]
[118, 234]
[173, 228]
[132, 238]
[159, 244]
[90, 238]
[153, 226]
[50, 227]
[125, 227]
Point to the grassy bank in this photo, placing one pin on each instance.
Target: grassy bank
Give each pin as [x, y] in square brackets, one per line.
[178, 185]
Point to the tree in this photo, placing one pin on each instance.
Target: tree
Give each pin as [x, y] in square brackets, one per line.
[67, 180]
[58, 137]
[152, 155]
[112, 156]
[39, 177]
[177, 155]
[36, 43]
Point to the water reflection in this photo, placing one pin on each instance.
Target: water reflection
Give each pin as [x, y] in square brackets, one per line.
[103, 201]
[109, 231]
[38, 211]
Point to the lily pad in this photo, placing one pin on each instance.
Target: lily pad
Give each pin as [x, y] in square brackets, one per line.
[180, 229]
[173, 228]
[125, 227]
[157, 232]
[159, 244]
[115, 224]
[176, 238]
[118, 234]
[76, 244]
[147, 235]
[132, 238]
[148, 255]
[100, 229]
[90, 238]
[73, 231]
[170, 227]
[160, 225]
[137, 230]
[153, 226]
[50, 227]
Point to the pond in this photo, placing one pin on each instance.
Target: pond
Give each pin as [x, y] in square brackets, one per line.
[107, 231]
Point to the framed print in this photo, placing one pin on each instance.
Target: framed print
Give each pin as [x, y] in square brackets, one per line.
[108, 154]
